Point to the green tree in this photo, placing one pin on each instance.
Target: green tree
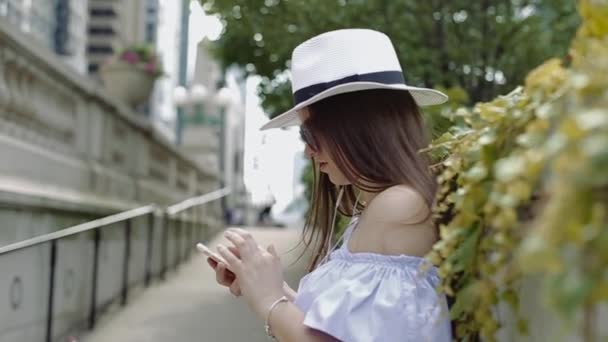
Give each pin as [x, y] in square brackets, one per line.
[484, 47]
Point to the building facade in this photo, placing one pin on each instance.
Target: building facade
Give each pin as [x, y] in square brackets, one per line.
[118, 23]
[115, 24]
[59, 26]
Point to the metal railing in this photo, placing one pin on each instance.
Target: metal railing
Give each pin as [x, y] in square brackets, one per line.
[186, 225]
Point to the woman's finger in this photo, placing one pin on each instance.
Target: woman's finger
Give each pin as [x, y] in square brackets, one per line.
[235, 251]
[243, 233]
[212, 263]
[224, 276]
[247, 236]
[239, 242]
[234, 263]
[220, 274]
[235, 289]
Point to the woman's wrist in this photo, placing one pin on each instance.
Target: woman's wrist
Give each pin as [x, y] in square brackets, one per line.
[263, 306]
[272, 307]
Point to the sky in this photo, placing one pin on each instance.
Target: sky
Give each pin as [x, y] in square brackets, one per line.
[270, 156]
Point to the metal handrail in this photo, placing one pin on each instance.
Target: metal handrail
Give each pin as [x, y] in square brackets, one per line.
[77, 229]
[96, 226]
[196, 201]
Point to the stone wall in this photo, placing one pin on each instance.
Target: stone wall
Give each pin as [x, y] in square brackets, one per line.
[69, 153]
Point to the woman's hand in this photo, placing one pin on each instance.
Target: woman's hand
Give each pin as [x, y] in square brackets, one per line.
[225, 277]
[258, 271]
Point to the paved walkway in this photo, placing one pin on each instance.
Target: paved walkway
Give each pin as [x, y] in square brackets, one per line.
[190, 306]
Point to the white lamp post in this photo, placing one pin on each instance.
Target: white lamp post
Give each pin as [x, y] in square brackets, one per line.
[195, 97]
[224, 99]
[181, 100]
[198, 95]
[180, 96]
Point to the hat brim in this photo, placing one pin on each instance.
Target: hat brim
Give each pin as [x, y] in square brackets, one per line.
[422, 96]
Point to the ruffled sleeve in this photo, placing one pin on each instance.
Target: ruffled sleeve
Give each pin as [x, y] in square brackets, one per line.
[371, 302]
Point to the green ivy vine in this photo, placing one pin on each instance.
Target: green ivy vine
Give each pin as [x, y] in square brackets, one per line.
[524, 183]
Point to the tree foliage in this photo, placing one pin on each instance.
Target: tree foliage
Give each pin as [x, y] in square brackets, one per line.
[485, 47]
[525, 182]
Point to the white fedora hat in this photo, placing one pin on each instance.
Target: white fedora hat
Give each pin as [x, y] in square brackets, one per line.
[343, 61]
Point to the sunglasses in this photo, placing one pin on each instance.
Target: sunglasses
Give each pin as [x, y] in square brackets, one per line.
[308, 138]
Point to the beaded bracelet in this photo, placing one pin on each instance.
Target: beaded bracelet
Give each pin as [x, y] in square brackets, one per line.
[267, 325]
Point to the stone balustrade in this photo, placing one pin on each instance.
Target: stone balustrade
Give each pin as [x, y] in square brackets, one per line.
[69, 152]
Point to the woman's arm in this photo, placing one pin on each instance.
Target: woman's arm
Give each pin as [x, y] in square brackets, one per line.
[261, 281]
[287, 324]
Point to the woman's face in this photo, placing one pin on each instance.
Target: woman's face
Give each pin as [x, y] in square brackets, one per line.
[319, 155]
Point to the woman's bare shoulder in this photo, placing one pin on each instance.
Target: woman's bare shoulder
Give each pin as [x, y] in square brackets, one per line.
[399, 204]
[395, 222]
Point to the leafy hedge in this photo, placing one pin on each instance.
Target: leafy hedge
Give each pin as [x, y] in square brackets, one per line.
[525, 185]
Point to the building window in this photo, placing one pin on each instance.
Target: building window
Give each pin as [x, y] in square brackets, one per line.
[62, 27]
[150, 32]
[103, 12]
[102, 31]
[93, 68]
[101, 49]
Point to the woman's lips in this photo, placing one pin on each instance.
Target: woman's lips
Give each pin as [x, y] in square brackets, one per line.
[321, 165]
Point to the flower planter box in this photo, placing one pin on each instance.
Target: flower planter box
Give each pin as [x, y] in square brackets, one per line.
[127, 83]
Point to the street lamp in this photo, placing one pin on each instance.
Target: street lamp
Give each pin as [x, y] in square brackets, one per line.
[192, 99]
[223, 99]
[198, 95]
[180, 98]
[183, 100]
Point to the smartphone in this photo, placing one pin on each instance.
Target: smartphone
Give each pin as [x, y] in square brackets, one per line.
[211, 254]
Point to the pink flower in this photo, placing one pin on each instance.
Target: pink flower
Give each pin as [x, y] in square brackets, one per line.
[130, 57]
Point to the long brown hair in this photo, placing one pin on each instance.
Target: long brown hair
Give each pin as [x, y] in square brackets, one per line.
[374, 137]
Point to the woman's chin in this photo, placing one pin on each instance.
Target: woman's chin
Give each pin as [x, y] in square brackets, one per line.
[339, 181]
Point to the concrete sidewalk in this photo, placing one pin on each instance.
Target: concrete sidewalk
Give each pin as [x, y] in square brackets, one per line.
[191, 306]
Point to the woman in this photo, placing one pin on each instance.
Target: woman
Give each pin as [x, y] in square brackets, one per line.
[363, 130]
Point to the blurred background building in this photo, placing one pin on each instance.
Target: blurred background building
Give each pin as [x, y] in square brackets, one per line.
[51, 52]
[85, 34]
[115, 24]
[59, 26]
